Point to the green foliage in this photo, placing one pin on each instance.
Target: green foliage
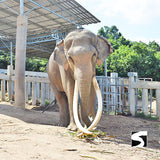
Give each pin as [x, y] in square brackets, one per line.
[36, 64]
[142, 115]
[32, 64]
[4, 60]
[131, 56]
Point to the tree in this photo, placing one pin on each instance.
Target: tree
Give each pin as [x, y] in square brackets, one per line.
[114, 36]
[32, 64]
[131, 56]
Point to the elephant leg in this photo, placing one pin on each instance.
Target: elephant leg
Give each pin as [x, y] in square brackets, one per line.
[63, 108]
[90, 112]
[72, 126]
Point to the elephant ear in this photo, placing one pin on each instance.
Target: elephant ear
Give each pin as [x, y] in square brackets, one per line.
[104, 49]
[59, 55]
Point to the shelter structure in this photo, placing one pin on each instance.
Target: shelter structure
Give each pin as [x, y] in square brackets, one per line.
[33, 27]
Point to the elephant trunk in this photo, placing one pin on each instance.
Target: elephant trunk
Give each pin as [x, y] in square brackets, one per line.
[84, 92]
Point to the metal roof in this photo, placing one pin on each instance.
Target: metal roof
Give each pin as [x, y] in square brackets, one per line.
[48, 20]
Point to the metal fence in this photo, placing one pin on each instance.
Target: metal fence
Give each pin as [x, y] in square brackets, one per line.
[114, 93]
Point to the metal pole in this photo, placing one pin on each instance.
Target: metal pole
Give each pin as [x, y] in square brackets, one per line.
[11, 53]
[105, 68]
[21, 7]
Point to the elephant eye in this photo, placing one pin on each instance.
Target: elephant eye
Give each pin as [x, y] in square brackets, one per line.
[71, 62]
[94, 57]
[70, 59]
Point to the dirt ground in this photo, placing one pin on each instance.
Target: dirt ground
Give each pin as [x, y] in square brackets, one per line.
[31, 134]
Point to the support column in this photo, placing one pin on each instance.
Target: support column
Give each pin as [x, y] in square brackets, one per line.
[21, 38]
[132, 99]
[11, 53]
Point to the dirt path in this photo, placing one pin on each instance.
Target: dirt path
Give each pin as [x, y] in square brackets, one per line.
[29, 135]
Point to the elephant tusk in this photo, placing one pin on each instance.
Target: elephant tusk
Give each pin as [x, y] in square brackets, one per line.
[100, 106]
[75, 107]
[75, 110]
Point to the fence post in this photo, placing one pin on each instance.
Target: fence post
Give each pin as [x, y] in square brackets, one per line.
[3, 89]
[42, 94]
[47, 91]
[10, 83]
[26, 91]
[34, 93]
[114, 77]
[132, 78]
[158, 103]
[38, 90]
[145, 101]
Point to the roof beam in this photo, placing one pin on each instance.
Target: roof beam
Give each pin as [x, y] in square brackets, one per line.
[51, 11]
[40, 48]
[64, 9]
[39, 39]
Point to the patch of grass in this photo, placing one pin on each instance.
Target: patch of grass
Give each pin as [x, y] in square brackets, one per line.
[47, 102]
[142, 115]
[89, 137]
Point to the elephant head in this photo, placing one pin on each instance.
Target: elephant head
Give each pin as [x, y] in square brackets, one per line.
[83, 50]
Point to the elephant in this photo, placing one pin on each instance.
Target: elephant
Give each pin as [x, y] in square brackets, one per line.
[71, 71]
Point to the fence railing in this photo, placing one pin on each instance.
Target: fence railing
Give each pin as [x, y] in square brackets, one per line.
[119, 94]
[37, 86]
[134, 84]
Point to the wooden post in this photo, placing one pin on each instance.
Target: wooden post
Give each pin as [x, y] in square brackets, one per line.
[145, 101]
[158, 103]
[132, 98]
[21, 38]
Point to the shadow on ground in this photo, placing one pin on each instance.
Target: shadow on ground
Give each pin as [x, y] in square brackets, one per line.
[30, 116]
[119, 127]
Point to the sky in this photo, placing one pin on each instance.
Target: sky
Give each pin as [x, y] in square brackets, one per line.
[137, 20]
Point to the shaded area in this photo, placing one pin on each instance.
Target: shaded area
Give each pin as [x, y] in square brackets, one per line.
[30, 116]
[119, 127]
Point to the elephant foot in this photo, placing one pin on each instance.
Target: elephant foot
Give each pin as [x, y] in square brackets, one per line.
[87, 121]
[72, 127]
[63, 123]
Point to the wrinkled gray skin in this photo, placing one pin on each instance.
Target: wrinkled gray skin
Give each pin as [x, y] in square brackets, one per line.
[75, 59]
